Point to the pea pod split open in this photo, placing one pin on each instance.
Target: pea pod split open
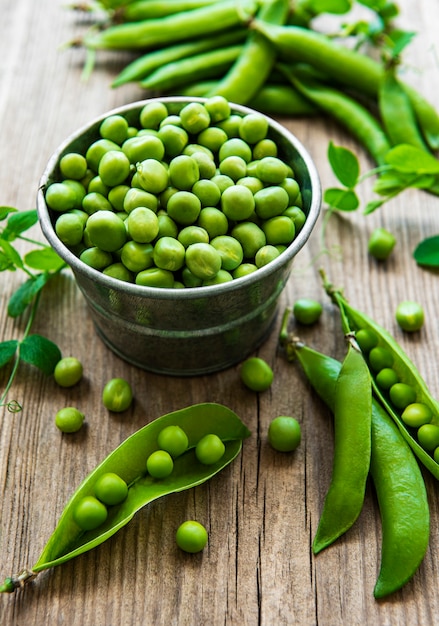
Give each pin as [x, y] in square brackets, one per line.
[129, 462]
[397, 478]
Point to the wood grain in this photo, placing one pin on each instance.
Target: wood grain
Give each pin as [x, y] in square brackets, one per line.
[263, 510]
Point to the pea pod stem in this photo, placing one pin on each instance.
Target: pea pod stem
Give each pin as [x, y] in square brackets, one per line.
[396, 475]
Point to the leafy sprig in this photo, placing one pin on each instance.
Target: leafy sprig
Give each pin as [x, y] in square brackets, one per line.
[39, 265]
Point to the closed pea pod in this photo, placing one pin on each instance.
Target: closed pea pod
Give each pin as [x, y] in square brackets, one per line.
[149, 9]
[397, 478]
[129, 462]
[352, 431]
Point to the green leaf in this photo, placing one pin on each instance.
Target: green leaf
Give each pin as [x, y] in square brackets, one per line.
[372, 206]
[410, 160]
[20, 222]
[400, 39]
[341, 199]
[11, 254]
[41, 352]
[426, 252]
[45, 259]
[24, 295]
[344, 164]
[337, 7]
[5, 211]
[7, 351]
[6, 263]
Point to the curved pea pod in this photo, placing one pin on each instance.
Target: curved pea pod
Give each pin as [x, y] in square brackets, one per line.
[396, 475]
[129, 461]
[352, 432]
[352, 321]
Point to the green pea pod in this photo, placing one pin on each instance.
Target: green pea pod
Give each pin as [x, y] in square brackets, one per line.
[396, 475]
[352, 424]
[346, 111]
[255, 63]
[129, 462]
[152, 9]
[397, 112]
[352, 321]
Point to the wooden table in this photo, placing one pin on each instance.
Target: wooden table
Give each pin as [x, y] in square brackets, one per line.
[262, 511]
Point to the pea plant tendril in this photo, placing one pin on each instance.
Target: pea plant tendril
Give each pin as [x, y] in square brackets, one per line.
[39, 265]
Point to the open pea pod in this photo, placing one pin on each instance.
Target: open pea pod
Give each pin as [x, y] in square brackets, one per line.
[128, 461]
[353, 321]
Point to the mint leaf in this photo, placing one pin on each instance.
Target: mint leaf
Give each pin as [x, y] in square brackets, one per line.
[5, 211]
[426, 252]
[25, 293]
[19, 222]
[11, 254]
[45, 259]
[372, 206]
[344, 164]
[41, 352]
[341, 199]
[7, 351]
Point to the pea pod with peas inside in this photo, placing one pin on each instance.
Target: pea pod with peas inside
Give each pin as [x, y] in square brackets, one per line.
[396, 381]
[128, 462]
[396, 475]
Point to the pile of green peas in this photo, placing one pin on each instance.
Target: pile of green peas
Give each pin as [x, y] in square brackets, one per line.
[403, 397]
[187, 200]
[110, 489]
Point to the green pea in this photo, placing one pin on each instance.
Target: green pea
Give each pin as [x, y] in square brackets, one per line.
[233, 166]
[169, 254]
[264, 147]
[137, 256]
[183, 172]
[68, 371]
[417, 414]
[250, 236]
[155, 277]
[230, 250]
[115, 128]
[114, 168]
[167, 226]
[386, 378]
[297, 216]
[210, 449]
[173, 440]
[73, 165]
[231, 125]
[189, 279]
[265, 255]
[106, 230]
[292, 188]
[366, 339]
[272, 171]
[96, 258]
[97, 149]
[213, 221]
[192, 234]
[116, 196]
[96, 184]
[69, 419]
[140, 198]
[284, 433]
[203, 260]
[271, 201]
[111, 489]
[222, 181]
[410, 316]
[253, 183]
[381, 244]
[153, 175]
[118, 271]
[279, 230]
[79, 190]
[144, 147]
[222, 276]
[253, 127]
[307, 311]
[380, 357]
[152, 114]
[244, 270]
[184, 207]
[69, 228]
[159, 464]
[60, 197]
[428, 436]
[194, 117]
[237, 202]
[212, 138]
[142, 225]
[191, 537]
[206, 164]
[90, 513]
[174, 139]
[235, 147]
[256, 374]
[117, 395]
[95, 202]
[218, 108]
[207, 192]
[402, 395]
